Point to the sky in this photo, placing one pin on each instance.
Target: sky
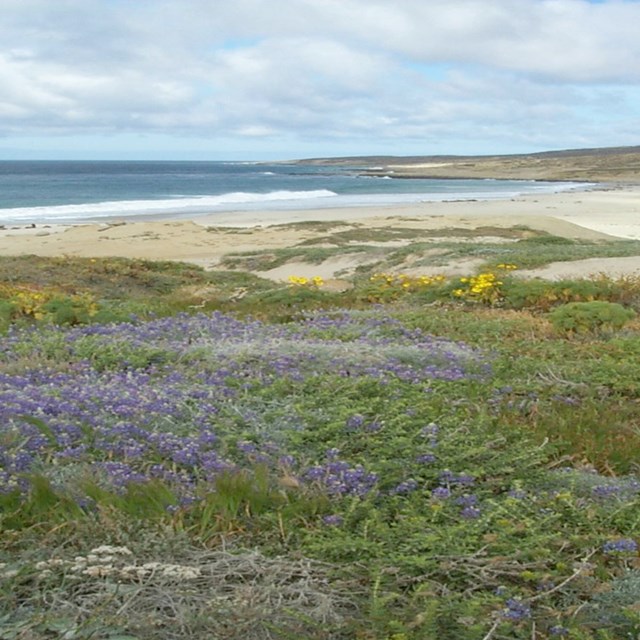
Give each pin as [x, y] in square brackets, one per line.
[285, 79]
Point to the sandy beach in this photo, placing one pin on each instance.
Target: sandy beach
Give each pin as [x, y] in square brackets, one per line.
[599, 213]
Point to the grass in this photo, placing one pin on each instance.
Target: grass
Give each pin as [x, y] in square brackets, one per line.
[265, 260]
[522, 248]
[527, 253]
[363, 234]
[111, 278]
[314, 225]
[429, 467]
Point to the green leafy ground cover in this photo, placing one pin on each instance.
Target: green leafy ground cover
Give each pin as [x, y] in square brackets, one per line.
[209, 455]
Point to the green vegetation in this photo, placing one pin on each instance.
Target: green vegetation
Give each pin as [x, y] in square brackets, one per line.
[196, 455]
[432, 249]
[362, 234]
[265, 260]
[596, 317]
[527, 253]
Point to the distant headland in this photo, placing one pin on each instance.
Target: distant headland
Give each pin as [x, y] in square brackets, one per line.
[610, 164]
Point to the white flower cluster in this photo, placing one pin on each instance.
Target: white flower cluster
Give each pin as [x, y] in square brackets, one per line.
[108, 561]
[7, 573]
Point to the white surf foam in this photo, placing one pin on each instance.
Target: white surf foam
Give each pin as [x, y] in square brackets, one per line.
[178, 204]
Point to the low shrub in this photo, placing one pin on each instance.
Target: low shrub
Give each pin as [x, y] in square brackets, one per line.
[387, 287]
[596, 317]
[542, 295]
[546, 240]
[46, 304]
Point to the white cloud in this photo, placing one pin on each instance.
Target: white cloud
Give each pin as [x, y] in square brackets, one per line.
[378, 73]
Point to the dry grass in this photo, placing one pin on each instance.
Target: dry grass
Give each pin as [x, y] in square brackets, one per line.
[209, 594]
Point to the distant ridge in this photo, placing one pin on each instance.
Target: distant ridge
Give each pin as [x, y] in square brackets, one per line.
[562, 153]
[607, 164]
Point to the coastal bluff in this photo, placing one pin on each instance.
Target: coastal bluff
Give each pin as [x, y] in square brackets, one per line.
[611, 164]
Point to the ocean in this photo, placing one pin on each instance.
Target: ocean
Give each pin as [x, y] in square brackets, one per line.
[67, 192]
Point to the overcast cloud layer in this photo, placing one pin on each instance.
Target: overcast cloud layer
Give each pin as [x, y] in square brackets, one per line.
[289, 78]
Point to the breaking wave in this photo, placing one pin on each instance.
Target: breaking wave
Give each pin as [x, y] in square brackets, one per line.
[176, 204]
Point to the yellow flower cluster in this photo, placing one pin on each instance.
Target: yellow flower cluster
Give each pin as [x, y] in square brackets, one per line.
[298, 281]
[27, 302]
[405, 281]
[484, 287]
[31, 303]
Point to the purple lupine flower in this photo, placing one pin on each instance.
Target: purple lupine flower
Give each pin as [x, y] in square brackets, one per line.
[374, 426]
[463, 479]
[207, 437]
[426, 458]
[516, 610]
[121, 474]
[338, 478]
[333, 520]
[134, 450]
[558, 630]
[247, 447]
[315, 473]
[18, 462]
[623, 545]
[287, 461]
[8, 482]
[446, 477]
[441, 493]
[404, 487]
[606, 491]
[187, 456]
[355, 422]
[449, 478]
[187, 500]
[72, 453]
[622, 488]
[471, 513]
[430, 431]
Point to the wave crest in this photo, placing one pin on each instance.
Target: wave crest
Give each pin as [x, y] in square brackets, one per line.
[177, 204]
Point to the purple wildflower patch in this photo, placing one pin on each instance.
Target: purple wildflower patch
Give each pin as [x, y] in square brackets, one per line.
[441, 493]
[516, 610]
[339, 478]
[405, 487]
[470, 513]
[154, 395]
[623, 545]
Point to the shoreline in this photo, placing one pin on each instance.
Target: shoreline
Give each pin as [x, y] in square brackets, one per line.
[606, 213]
[190, 207]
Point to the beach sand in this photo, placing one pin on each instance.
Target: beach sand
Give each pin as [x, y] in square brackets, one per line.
[600, 213]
